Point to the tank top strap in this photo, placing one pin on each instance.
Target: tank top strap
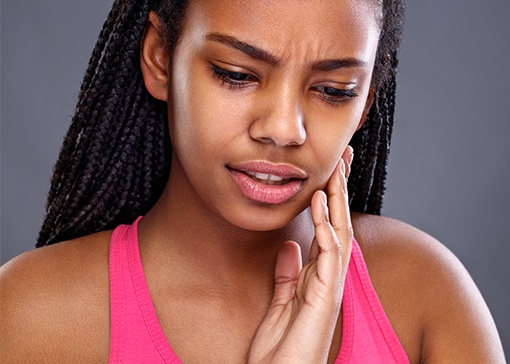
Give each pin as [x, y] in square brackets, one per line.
[367, 333]
[117, 267]
[136, 335]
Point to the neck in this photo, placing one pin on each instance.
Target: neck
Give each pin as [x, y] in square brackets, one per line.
[212, 252]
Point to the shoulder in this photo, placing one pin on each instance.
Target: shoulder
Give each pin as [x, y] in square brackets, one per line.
[52, 296]
[386, 242]
[435, 307]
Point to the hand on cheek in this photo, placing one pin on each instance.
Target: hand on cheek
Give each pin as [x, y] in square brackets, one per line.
[301, 319]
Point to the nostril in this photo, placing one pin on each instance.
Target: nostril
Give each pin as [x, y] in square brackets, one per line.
[281, 124]
[264, 140]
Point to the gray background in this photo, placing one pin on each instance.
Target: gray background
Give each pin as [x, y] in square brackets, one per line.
[450, 163]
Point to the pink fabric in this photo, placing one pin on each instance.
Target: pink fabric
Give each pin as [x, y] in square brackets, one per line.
[367, 334]
[136, 335]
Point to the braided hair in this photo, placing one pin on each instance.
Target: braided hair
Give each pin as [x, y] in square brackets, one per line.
[115, 159]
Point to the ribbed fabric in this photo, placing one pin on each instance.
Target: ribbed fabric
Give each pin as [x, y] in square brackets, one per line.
[137, 337]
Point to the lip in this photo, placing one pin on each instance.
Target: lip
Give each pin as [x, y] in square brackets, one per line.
[272, 194]
[283, 171]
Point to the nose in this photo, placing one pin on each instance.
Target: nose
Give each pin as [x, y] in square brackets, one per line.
[280, 119]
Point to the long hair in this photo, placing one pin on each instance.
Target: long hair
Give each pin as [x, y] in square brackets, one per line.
[115, 159]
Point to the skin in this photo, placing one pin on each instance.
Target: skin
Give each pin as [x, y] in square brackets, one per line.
[239, 268]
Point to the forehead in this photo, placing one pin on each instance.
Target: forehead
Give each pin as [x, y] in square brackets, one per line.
[286, 27]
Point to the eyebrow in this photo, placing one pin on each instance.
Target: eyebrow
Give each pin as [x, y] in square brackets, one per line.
[244, 47]
[333, 64]
[260, 54]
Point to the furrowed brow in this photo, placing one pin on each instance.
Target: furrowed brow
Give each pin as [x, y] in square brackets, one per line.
[252, 51]
[333, 64]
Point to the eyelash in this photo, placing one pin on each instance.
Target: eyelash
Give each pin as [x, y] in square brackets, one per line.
[238, 80]
[334, 95]
[228, 78]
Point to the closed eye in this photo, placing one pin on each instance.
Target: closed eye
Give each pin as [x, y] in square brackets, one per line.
[231, 79]
[334, 95]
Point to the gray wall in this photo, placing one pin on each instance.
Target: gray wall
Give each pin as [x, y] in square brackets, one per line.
[450, 164]
[449, 170]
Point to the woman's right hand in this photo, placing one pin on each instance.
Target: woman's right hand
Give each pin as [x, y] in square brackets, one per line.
[301, 319]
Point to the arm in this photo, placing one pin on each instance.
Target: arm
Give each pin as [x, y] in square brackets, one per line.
[27, 321]
[433, 304]
[459, 327]
[54, 304]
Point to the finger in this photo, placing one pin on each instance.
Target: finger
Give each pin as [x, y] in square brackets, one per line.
[288, 266]
[314, 250]
[329, 250]
[319, 213]
[338, 203]
[318, 198]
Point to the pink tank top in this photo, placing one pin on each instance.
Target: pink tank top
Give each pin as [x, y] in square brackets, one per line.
[137, 337]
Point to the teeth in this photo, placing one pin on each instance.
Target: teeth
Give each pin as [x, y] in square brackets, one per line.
[267, 179]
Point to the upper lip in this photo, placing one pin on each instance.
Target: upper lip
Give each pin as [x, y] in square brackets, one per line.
[284, 171]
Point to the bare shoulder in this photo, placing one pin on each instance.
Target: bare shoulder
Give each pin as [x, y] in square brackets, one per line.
[389, 243]
[54, 296]
[434, 306]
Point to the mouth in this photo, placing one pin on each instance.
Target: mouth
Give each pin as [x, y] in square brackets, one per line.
[267, 183]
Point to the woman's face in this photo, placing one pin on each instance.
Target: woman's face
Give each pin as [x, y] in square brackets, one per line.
[265, 96]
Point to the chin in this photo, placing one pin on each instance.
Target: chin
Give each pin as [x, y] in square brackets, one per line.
[265, 218]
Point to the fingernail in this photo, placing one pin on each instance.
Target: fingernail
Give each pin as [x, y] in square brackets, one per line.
[350, 158]
[342, 166]
[325, 207]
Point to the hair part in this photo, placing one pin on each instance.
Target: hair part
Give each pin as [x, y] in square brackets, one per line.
[115, 159]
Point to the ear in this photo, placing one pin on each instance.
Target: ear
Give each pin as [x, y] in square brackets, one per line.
[154, 59]
[368, 105]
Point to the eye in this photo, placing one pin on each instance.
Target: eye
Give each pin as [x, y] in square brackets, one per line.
[334, 95]
[231, 79]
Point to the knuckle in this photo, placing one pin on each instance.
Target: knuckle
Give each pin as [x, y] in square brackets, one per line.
[344, 188]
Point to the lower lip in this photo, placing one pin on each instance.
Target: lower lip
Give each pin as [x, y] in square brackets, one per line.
[267, 194]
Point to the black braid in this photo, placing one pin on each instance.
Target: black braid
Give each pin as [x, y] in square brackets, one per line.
[371, 142]
[116, 155]
[115, 159]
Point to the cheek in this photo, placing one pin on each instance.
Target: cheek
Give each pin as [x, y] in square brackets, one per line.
[203, 122]
[330, 134]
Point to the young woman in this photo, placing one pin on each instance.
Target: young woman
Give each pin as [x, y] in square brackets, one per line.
[232, 127]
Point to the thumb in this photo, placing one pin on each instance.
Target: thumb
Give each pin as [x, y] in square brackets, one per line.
[286, 274]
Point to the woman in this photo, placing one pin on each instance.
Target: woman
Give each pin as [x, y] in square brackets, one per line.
[261, 100]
